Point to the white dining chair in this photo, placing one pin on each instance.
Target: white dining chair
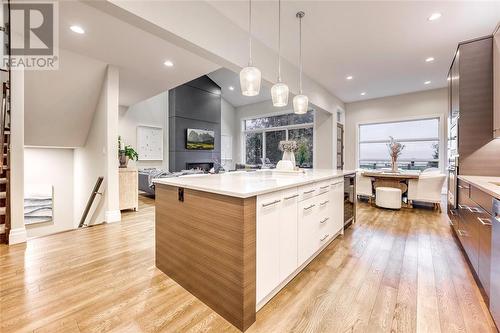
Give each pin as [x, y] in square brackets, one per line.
[427, 188]
[364, 186]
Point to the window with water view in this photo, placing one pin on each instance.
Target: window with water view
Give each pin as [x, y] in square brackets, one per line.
[420, 138]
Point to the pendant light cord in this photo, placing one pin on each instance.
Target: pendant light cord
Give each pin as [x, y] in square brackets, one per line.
[300, 54]
[250, 32]
[279, 40]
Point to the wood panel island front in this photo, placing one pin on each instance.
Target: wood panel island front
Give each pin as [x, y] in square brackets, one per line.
[234, 240]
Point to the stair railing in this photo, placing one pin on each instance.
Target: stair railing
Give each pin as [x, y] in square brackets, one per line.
[95, 192]
[3, 122]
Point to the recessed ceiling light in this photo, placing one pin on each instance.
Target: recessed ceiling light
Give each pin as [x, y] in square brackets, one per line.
[434, 16]
[77, 29]
[427, 82]
[349, 77]
[430, 59]
[363, 93]
[231, 88]
[168, 63]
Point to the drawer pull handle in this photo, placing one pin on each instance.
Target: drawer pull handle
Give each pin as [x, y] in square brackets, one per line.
[453, 212]
[324, 220]
[324, 203]
[324, 237]
[309, 207]
[309, 192]
[271, 203]
[291, 197]
[461, 233]
[324, 187]
[463, 187]
[484, 221]
[475, 209]
[463, 206]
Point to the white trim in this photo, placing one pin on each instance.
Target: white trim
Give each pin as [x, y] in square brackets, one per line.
[112, 216]
[17, 236]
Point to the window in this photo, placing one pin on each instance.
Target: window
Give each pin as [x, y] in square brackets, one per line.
[263, 135]
[420, 137]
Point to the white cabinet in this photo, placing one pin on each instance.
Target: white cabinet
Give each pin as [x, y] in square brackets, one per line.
[292, 225]
[276, 239]
[337, 198]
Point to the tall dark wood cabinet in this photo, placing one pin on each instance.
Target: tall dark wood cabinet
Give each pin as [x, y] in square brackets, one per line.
[472, 151]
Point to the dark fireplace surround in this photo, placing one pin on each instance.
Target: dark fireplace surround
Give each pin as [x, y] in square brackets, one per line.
[205, 166]
[197, 105]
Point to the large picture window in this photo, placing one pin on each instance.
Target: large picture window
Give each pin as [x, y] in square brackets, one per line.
[263, 135]
[420, 137]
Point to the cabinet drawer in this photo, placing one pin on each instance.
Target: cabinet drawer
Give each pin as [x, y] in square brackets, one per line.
[485, 234]
[482, 199]
[308, 191]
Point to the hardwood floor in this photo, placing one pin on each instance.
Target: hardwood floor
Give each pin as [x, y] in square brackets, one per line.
[393, 271]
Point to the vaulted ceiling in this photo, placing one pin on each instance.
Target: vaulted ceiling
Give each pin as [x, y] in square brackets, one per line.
[382, 44]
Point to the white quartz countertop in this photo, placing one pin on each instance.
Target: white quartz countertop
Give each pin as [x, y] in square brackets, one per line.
[490, 185]
[244, 184]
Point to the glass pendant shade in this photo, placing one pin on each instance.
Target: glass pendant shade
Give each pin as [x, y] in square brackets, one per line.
[250, 81]
[300, 104]
[279, 93]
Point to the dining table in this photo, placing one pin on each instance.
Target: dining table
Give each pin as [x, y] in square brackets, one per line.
[391, 179]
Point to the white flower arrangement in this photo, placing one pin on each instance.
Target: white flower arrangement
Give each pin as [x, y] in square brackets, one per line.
[288, 146]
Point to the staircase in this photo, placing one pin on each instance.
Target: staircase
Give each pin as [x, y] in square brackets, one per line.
[5, 137]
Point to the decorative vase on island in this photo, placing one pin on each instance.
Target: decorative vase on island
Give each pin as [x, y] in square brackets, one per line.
[289, 156]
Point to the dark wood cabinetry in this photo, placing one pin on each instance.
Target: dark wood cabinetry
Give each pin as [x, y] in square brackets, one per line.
[474, 230]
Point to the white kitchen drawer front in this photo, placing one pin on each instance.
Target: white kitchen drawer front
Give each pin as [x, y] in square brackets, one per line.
[323, 186]
[308, 228]
[288, 242]
[337, 208]
[308, 191]
[277, 244]
[268, 228]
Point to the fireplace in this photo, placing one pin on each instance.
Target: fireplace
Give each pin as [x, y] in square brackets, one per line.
[205, 166]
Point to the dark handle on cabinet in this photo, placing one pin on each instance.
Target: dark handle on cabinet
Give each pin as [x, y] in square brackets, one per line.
[291, 197]
[324, 187]
[324, 220]
[271, 203]
[309, 207]
[308, 192]
[324, 203]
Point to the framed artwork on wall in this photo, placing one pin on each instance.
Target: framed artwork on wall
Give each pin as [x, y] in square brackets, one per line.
[150, 143]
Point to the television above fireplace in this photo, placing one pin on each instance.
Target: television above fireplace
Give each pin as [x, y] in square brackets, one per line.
[199, 139]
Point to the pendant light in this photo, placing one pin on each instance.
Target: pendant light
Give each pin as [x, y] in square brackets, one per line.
[300, 101]
[280, 91]
[250, 75]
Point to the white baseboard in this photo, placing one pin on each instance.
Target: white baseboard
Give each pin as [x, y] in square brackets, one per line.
[112, 216]
[17, 236]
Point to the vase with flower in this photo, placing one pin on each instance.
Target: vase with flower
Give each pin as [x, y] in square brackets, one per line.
[395, 149]
[288, 160]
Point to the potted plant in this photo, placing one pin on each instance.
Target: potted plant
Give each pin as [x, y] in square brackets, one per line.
[125, 153]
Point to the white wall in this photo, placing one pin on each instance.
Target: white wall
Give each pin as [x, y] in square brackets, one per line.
[99, 157]
[229, 127]
[151, 112]
[430, 103]
[51, 166]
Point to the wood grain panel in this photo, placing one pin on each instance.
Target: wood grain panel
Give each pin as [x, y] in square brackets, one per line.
[477, 149]
[206, 243]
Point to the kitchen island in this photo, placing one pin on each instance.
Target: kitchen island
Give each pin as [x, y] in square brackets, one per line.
[234, 240]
